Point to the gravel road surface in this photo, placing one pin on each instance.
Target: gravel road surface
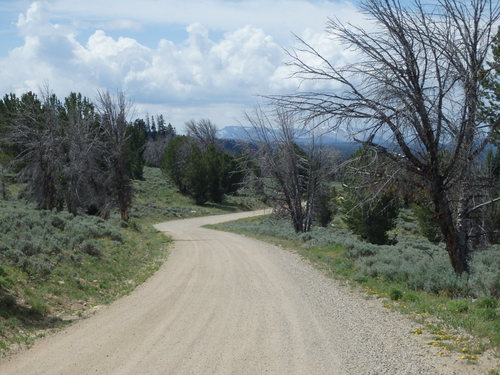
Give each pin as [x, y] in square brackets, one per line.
[226, 304]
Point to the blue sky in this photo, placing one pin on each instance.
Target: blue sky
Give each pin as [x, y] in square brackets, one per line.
[184, 59]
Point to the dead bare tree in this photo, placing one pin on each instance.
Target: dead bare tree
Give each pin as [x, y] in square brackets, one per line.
[203, 130]
[113, 112]
[38, 133]
[416, 84]
[292, 175]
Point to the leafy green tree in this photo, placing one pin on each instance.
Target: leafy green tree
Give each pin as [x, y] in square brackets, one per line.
[170, 131]
[134, 145]
[491, 215]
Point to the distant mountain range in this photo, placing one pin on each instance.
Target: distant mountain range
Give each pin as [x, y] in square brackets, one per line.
[245, 133]
[338, 140]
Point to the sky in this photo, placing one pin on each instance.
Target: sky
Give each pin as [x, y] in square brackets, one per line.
[181, 58]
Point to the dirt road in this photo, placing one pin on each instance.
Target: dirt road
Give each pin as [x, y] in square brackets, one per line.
[225, 304]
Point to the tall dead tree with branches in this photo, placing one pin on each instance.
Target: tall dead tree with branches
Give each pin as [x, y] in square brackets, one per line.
[113, 112]
[292, 175]
[416, 83]
[38, 132]
[204, 131]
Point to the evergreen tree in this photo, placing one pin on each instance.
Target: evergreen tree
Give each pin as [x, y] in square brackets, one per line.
[153, 132]
[366, 213]
[162, 129]
[175, 160]
[490, 105]
[371, 221]
[197, 177]
[203, 173]
[135, 143]
[170, 131]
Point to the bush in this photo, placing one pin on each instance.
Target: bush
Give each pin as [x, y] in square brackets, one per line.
[38, 309]
[458, 305]
[413, 261]
[37, 241]
[90, 248]
[487, 302]
[371, 223]
[484, 277]
[324, 209]
[7, 302]
[429, 226]
[488, 314]
[395, 294]
[411, 297]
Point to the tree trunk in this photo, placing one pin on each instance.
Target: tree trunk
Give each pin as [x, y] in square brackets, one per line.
[124, 214]
[455, 240]
[297, 219]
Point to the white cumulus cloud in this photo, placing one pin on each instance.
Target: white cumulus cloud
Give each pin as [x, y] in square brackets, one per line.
[195, 76]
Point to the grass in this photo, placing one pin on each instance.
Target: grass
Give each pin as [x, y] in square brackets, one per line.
[157, 199]
[56, 268]
[462, 314]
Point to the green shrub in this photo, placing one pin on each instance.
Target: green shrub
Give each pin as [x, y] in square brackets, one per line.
[411, 297]
[175, 160]
[487, 302]
[429, 226]
[484, 278]
[371, 223]
[90, 248]
[395, 294]
[38, 309]
[487, 314]
[7, 302]
[324, 208]
[413, 261]
[58, 222]
[36, 241]
[458, 305]
[134, 225]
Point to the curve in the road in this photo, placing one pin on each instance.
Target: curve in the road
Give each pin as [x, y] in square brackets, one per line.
[226, 304]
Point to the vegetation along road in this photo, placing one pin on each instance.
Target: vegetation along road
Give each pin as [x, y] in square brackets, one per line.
[227, 304]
